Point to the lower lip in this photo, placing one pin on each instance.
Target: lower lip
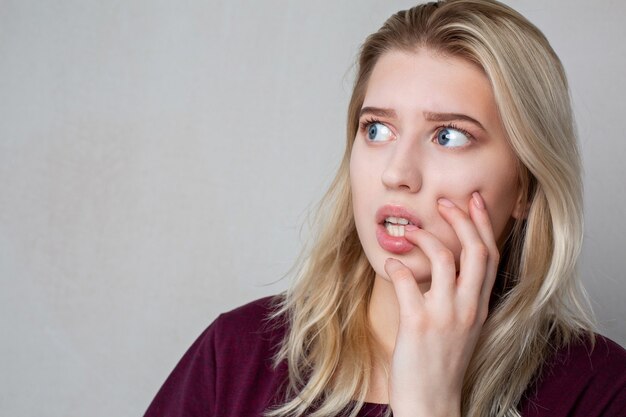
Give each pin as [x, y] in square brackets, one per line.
[393, 244]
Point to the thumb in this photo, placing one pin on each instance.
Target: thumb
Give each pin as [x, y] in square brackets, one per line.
[407, 292]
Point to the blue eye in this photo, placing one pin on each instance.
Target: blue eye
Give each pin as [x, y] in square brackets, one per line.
[451, 138]
[378, 132]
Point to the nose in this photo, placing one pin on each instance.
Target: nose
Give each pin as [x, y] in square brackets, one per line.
[402, 171]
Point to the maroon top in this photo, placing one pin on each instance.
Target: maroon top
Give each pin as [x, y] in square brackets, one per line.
[228, 372]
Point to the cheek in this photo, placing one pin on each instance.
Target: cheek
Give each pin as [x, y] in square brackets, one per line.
[363, 174]
[498, 186]
[358, 181]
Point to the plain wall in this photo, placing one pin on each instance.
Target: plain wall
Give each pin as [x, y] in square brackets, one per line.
[158, 159]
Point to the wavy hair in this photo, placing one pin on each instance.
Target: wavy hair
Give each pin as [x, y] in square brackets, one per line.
[538, 303]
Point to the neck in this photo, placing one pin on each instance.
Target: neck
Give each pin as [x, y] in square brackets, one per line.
[384, 315]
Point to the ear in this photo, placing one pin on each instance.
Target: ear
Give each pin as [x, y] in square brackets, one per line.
[522, 206]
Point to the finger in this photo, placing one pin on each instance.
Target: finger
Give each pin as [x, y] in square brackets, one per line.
[442, 263]
[407, 292]
[480, 216]
[474, 252]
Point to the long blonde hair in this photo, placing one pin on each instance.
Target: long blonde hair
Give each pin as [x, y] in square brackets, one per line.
[538, 303]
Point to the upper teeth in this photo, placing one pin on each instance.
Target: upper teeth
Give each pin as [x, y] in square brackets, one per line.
[397, 220]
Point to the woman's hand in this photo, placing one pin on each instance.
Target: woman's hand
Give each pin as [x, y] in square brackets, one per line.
[438, 330]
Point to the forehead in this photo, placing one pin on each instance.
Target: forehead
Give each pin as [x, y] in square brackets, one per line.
[425, 81]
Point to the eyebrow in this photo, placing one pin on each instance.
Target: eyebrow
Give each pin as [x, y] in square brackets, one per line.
[428, 115]
[448, 117]
[376, 111]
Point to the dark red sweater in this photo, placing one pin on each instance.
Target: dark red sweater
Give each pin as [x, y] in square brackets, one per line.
[228, 372]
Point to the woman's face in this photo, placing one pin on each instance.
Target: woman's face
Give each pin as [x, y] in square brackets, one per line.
[429, 128]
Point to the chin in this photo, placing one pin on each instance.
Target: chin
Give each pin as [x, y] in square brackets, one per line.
[416, 261]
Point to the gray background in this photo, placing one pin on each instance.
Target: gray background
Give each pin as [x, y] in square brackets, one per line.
[158, 158]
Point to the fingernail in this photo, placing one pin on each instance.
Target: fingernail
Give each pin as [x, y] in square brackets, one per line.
[445, 202]
[410, 228]
[392, 265]
[478, 200]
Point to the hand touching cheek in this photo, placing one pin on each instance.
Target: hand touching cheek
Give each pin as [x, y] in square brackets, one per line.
[438, 330]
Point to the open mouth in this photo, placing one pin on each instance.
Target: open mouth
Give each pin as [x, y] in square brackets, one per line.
[395, 225]
[392, 221]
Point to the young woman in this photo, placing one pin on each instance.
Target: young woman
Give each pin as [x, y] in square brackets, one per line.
[442, 280]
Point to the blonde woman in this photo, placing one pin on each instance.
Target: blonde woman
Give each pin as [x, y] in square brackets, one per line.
[442, 280]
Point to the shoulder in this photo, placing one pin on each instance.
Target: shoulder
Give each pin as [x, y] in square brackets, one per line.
[251, 314]
[230, 367]
[585, 361]
[581, 379]
[250, 325]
